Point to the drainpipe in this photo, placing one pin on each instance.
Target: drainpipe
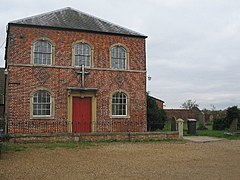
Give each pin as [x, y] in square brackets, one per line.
[6, 80]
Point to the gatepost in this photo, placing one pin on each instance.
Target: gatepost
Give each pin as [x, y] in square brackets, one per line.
[180, 127]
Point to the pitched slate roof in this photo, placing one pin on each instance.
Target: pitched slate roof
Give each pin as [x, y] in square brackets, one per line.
[69, 18]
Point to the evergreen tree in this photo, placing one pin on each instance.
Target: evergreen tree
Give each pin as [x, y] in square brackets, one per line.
[232, 113]
[155, 117]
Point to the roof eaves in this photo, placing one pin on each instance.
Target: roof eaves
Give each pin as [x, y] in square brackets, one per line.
[75, 29]
[101, 27]
[157, 99]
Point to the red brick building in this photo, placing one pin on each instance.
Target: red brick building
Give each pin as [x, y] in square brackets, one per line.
[160, 103]
[68, 71]
[182, 113]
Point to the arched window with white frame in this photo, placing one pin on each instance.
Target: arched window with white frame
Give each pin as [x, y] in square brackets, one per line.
[119, 104]
[42, 52]
[118, 57]
[82, 54]
[41, 104]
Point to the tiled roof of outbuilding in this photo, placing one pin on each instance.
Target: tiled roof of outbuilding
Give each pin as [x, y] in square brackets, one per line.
[69, 18]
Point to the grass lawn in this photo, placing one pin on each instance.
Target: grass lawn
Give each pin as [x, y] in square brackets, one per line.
[219, 134]
[215, 133]
[13, 147]
[209, 132]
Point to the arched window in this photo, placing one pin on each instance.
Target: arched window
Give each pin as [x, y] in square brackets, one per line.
[41, 103]
[82, 54]
[119, 57]
[119, 104]
[42, 52]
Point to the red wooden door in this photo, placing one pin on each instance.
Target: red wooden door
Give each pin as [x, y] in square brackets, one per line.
[81, 114]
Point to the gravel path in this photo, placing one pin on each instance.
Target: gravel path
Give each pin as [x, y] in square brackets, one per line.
[215, 160]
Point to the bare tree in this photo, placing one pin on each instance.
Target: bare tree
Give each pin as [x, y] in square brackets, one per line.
[213, 108]
[189, 104]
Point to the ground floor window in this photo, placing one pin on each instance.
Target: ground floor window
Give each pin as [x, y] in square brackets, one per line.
[119, 104]
[41, 103]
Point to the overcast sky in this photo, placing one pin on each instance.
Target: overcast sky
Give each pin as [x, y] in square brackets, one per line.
[193, 46]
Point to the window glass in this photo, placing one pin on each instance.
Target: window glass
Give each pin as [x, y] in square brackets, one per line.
[41, 104]
[82, 54]
[119, 104]
[118, 60]
[42, 52]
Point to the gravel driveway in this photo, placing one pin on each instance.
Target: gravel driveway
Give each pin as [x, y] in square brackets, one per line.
[156, 160]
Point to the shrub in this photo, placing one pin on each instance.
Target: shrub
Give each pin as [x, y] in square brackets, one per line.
[6, 137]
[155, 117]
[225, 123]
[202, 127]
[219, 124]
[232, 113]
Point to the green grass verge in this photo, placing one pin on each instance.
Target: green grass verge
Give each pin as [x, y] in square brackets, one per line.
[218, 134]
[11, 147]
[14, 147]
[211, 133]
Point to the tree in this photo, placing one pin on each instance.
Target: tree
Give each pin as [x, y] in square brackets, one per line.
[190, 104]
[213, 108]
[155, 117]
[225, 122]
[232, 113]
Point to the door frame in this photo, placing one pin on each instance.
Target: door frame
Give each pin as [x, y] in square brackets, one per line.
[92, 95]
[82, 114]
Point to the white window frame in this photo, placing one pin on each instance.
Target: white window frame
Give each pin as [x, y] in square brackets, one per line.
[44, 51]
[41, 103]
[118, 57]
[86, 54]
[117, 104]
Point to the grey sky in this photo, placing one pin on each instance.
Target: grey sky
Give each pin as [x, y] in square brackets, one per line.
[193, 46]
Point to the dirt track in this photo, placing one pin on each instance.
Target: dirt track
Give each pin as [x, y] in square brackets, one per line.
[215, 160]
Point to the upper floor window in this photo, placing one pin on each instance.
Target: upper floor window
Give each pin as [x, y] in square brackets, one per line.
[119, 57]
[42, 51]
[41, 103]
[119, 104]
[82, 54]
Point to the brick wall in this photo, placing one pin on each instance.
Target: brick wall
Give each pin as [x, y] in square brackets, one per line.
[182, 113]
[144, 136]
[22, 76]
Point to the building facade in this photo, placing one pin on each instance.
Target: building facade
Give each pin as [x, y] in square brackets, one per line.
[68, 71]
[160, 103]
